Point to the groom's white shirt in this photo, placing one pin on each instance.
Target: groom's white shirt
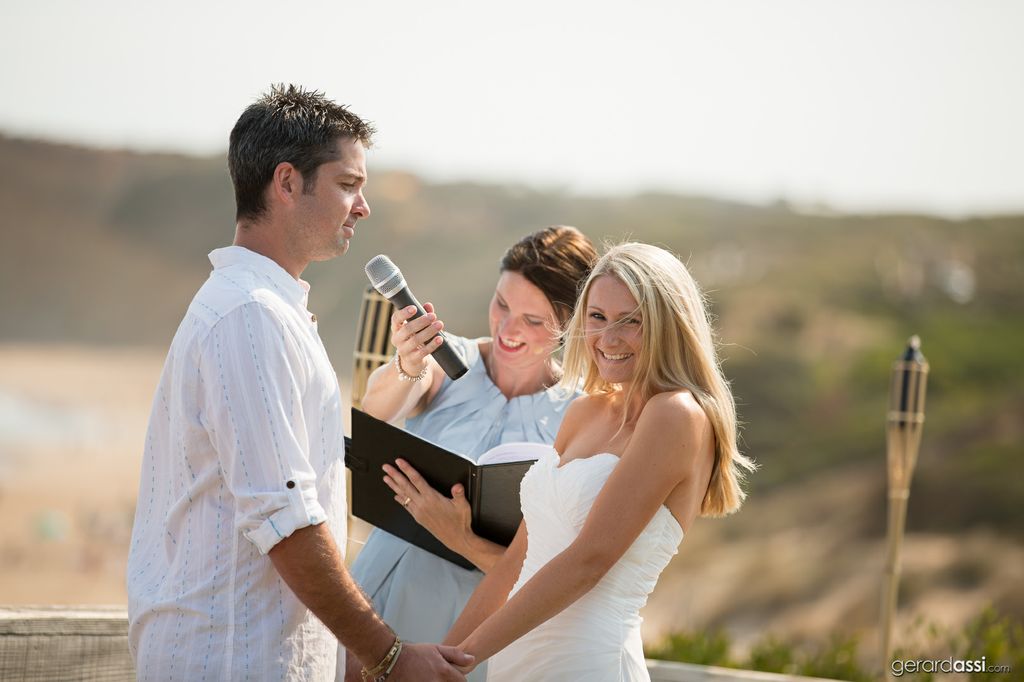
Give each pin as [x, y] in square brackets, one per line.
[245, 445]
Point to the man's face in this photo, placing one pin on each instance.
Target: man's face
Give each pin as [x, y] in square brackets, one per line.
[326, 217]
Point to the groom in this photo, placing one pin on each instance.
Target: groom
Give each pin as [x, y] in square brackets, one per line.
[235, 569]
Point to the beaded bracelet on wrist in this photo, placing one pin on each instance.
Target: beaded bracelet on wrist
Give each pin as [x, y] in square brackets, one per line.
[408, 377]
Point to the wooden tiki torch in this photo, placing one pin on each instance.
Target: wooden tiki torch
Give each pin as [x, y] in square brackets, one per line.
[373, 341]
[373, 346]
[903, 437]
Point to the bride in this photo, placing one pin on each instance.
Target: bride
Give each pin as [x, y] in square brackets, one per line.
[648, 449]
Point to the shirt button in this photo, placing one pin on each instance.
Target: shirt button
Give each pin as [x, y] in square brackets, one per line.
[312, 317]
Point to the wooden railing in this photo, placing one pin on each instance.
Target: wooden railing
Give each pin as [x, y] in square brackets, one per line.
[90, 644]
[64, 644]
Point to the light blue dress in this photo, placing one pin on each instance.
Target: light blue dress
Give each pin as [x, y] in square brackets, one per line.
[418, 594]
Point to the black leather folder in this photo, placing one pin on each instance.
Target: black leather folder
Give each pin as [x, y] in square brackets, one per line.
[492, 490]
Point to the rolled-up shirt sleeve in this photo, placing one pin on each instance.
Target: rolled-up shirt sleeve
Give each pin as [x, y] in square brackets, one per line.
[253, 376]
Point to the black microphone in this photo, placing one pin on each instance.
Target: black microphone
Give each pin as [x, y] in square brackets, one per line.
[387, 279]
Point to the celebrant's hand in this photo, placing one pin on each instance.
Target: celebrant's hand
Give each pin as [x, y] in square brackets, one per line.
[449, 519]
[415, 339]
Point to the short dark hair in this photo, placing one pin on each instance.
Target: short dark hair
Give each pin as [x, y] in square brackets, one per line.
[291, 124]
[557, 260]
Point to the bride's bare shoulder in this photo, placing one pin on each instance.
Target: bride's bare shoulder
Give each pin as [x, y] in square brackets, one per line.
[679, 402]
[672, 411]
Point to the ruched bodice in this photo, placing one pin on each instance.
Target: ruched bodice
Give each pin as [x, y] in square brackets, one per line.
[598, 636]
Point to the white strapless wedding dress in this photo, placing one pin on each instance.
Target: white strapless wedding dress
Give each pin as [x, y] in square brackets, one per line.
[596, 639]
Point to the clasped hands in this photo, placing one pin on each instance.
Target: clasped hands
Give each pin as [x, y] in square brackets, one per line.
[449, 519]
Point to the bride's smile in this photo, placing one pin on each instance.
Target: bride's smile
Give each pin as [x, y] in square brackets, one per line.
[614, 329]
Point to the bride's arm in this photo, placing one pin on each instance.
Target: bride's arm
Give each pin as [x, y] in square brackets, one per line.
[667, 450]
[493, 590]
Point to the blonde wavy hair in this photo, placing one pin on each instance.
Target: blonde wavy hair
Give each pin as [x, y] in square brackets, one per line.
[678, 351]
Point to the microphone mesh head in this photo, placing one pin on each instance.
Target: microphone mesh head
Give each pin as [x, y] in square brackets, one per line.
[384, 275]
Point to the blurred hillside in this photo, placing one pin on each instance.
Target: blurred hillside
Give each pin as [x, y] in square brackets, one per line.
[106, 248]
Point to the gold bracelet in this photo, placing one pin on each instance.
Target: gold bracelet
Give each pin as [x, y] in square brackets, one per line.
[382, 670]
[391, 666]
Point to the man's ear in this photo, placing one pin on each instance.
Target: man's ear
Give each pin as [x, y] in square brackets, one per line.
[286, 184]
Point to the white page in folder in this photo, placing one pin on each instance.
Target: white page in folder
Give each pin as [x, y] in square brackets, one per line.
[514, 452]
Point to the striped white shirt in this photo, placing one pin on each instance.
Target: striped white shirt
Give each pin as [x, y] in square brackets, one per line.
[245, 446]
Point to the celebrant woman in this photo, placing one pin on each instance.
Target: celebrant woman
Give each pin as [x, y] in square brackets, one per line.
[509, 394]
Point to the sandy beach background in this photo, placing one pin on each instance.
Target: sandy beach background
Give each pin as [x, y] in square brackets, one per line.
[74, 418]
[812, 307]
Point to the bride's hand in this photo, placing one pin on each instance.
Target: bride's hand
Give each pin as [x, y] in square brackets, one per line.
[449, 519]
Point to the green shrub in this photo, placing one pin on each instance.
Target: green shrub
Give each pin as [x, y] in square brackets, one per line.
[837, 659]
[997, 638]
[772, 655]
[700, 648]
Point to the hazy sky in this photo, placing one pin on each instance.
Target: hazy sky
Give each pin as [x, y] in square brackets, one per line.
[862, 105]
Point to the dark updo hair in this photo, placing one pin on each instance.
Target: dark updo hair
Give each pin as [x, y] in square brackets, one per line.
[556, 260]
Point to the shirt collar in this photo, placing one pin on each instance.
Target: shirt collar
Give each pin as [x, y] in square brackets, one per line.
[293, 290]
